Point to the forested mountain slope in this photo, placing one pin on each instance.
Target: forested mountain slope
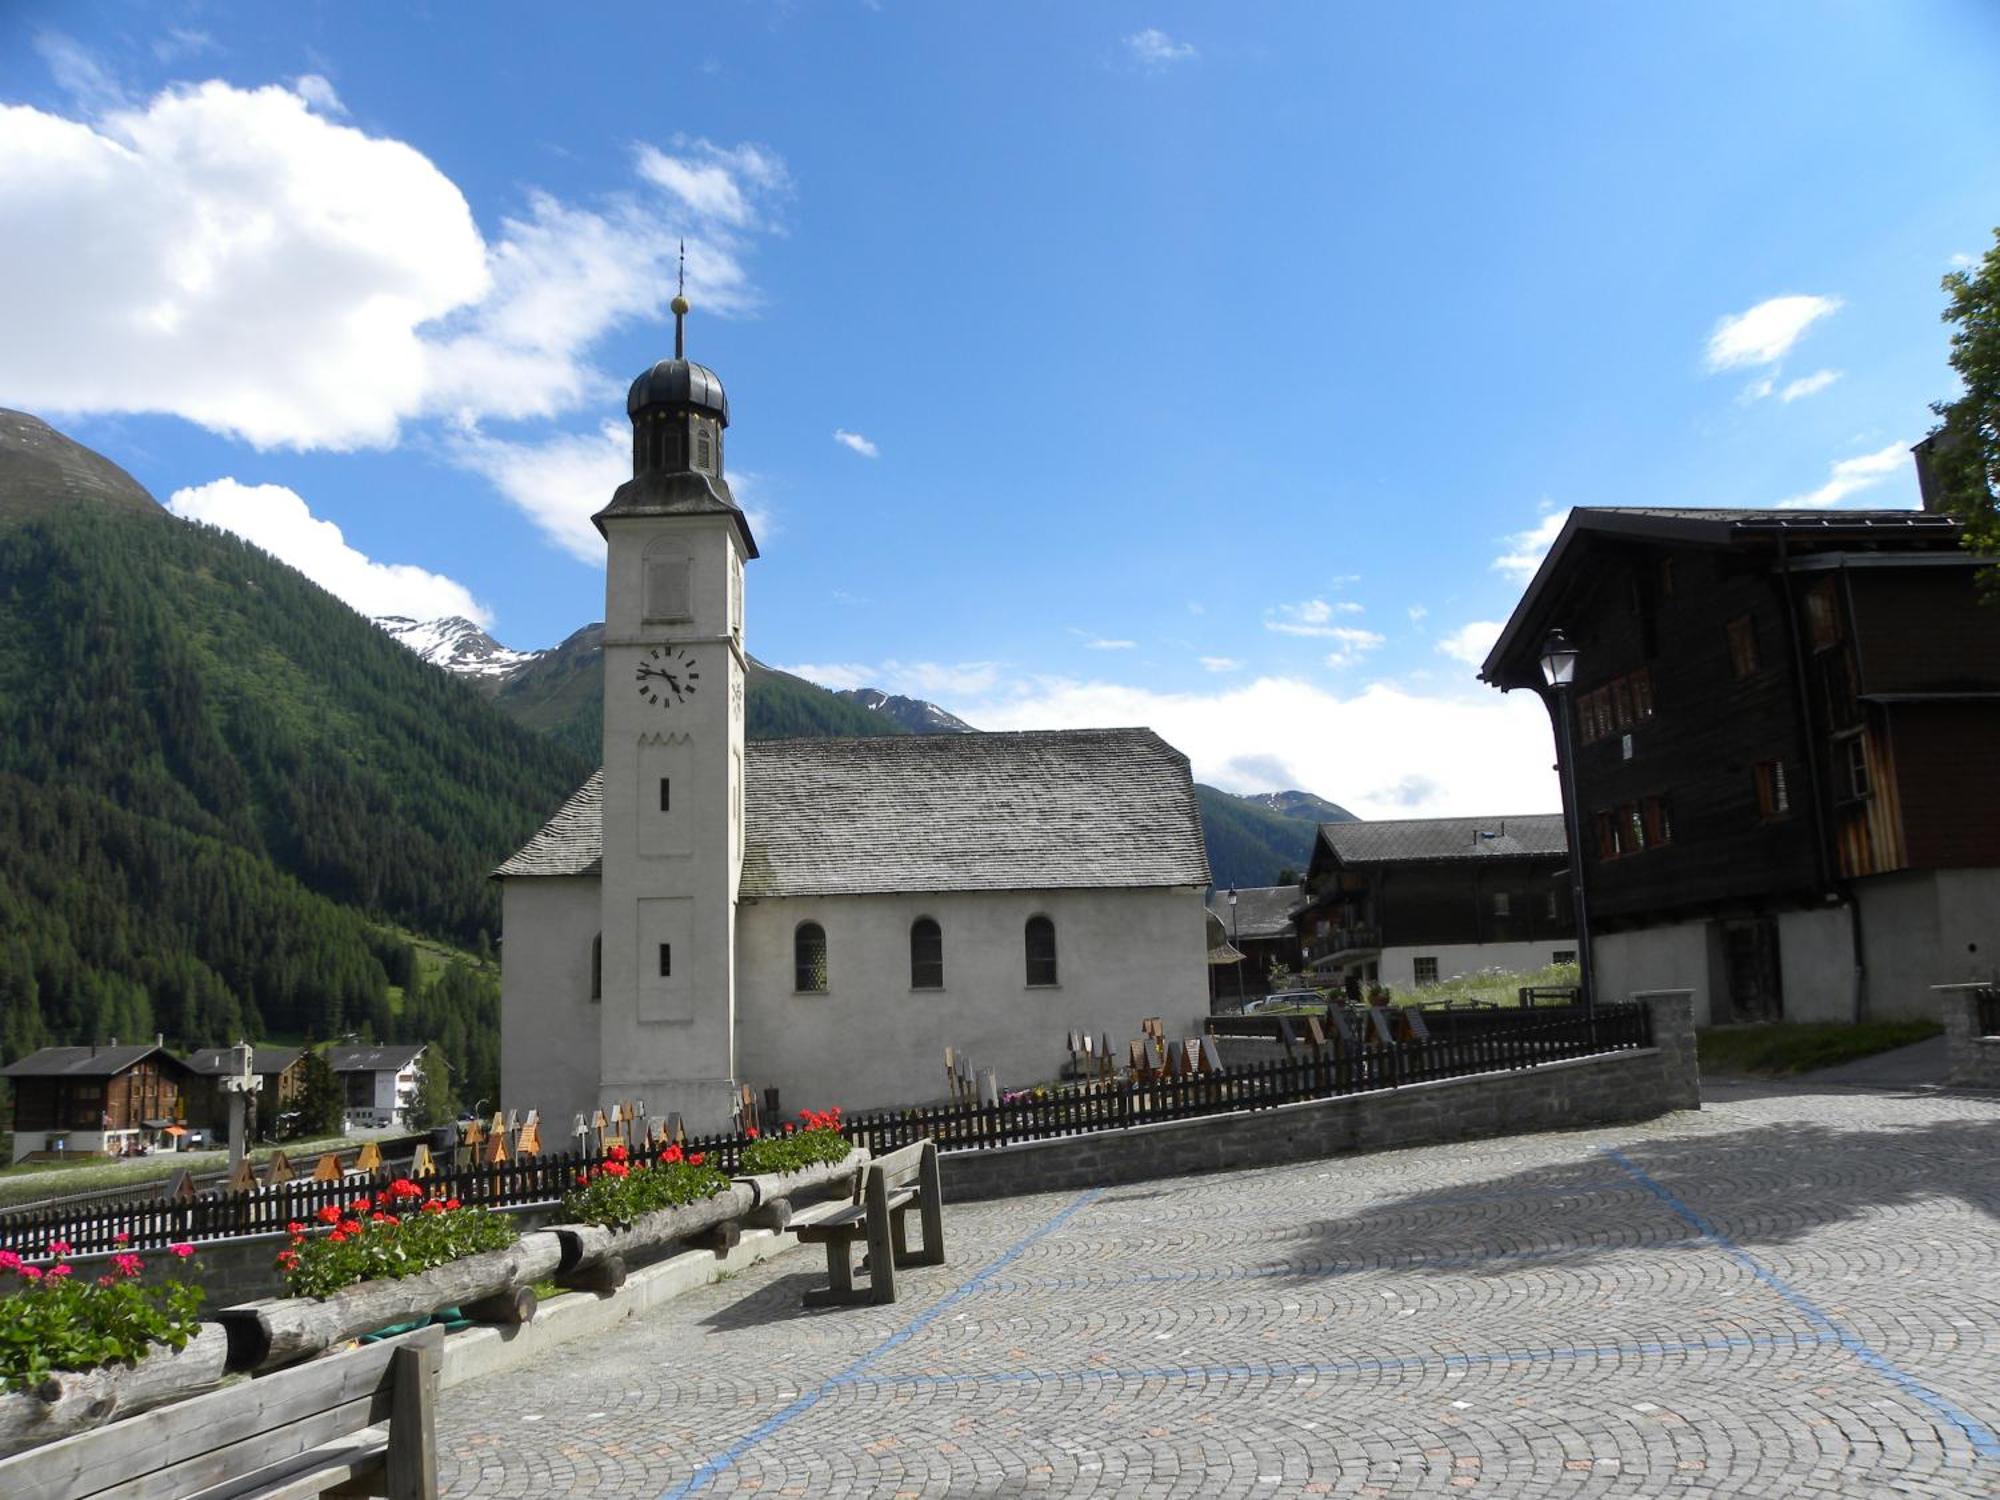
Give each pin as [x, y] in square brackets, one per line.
[215, 778]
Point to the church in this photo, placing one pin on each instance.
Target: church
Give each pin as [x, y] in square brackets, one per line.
[822, 916]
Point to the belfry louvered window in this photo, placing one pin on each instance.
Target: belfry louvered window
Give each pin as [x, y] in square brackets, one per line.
[926, 955]
[809, 958]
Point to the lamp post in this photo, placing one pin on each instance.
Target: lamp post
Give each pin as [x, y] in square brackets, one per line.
[1238, 964]
[1559, 672]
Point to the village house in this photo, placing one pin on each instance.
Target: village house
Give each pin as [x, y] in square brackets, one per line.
[820, 916]
[377, 1082]
[1409, 902]
[109, 1100]
[1256, 923]
[281, 1070]
[1783, 724]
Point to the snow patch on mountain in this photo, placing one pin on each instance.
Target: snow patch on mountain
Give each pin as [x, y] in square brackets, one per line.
[914, 714]
[457, 645]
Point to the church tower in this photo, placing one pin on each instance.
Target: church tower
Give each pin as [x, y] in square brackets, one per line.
[673, 752]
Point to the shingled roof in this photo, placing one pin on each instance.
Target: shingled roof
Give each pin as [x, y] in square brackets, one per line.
[1407, 839]
[84, 1062]
[1045, 809]
[1262, 911]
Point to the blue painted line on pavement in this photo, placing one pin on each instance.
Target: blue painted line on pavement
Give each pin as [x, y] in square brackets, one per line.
[709, 1469]
[1319, 1269]
[1393, 1364]
[1982, 1438]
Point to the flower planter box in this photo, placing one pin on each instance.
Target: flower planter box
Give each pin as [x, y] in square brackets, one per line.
[71, 1401]
[773, 1192]
[585, 1246]
[276, 1332]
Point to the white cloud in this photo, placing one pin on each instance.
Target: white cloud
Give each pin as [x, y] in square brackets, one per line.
[1765, 333]
[180, 42]
[1220, 664]
[1101, 643]
[78, 73]
[857, 442]
[1526, 549]
[1155, 50]
[1382, 752]
[1963, 261]
[1808, 385]
[1351, 645]
[1311, 618]
[716, 183]
[234, 258]
[1470, 642]
[559, 484]
[279, 520]
[1849, 475]
[1418, 613]
[1758, 389]
[318, 91]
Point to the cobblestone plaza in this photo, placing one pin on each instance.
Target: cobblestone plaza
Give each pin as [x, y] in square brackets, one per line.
[1790, 1293]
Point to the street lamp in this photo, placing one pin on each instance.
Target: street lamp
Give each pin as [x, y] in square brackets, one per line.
[1559, 672]
[1238, 964]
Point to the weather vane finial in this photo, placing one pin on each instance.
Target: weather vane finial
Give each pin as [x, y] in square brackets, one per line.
[680, 307]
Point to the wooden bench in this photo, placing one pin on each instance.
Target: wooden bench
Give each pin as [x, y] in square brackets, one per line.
[884, 1195]
[357, 1423]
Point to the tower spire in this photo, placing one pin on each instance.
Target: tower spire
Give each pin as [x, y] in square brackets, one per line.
[680, 307]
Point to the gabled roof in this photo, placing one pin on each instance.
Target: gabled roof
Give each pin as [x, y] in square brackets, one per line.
[366, 1057]
[84, 1062]
[1438, 840]
[1700, 526]
[1044, 809]
[1262, 911]
[216, 1061]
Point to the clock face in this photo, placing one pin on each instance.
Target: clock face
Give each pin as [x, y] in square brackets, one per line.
[666, 675]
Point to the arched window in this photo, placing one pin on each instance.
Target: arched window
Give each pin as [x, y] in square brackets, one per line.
[701, 460]
[926, 955]
[809, 959]
[1041, 935]
[597, 967]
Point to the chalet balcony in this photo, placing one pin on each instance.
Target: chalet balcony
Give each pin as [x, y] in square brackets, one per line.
[1331, 944]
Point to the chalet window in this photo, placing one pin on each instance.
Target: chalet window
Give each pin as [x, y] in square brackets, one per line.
[1502, 904]
[1607, 835]
[1822, 615]
[1621, 704]
[1040, 936]
[1563, 956]
[1773, 798]
[597, 967]
[1642, 695]
[1659, 825]
[809, 959]
[1858, 783]
[1425, 970]
[926, 955]
[1743, 646]
[1631, 829]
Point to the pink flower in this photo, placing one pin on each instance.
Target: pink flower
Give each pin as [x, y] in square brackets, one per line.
[58, 1247]
[59, 1270]
[107, 1281]
[128, 1264]
[31, 1273]
[121, 1238]
[9, 1261]
[182, 1250]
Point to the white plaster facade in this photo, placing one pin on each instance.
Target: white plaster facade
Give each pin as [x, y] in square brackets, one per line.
[1397, 966]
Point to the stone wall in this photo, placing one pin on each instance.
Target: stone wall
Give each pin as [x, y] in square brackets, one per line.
[1560, 1095]
[1973, 1060]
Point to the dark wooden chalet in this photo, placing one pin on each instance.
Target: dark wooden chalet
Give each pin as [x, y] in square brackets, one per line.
[281, 1069]
[97, 1099]
[1259, 927]
[1409, 902]
[1785, 724]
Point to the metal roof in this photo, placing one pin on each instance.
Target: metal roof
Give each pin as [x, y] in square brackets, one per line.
[1045, 809]
[1429, 840]
[366, 1057]
[678, 382]
[215, 1061]
[83, 1062]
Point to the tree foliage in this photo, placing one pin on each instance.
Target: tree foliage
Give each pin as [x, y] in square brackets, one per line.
[1965, 447]
[322, 1106]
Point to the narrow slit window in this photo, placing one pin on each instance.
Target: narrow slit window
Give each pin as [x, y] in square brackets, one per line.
[666, 960]
[809, 959]
[1041, 951]
[926, 955]
[666, 798]
[597, 967]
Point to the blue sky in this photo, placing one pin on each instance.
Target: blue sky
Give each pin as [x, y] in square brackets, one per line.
[1216, 368]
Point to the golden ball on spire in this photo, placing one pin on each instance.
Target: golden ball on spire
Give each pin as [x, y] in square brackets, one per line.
[680, 306]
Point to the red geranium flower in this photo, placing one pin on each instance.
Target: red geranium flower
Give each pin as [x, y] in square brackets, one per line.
[328, 1215]
[451, 1203]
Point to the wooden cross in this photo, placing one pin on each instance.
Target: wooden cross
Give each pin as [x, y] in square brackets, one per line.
[529, 1142]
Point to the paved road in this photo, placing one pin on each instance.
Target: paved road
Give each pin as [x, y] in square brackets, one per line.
[1789, 1295]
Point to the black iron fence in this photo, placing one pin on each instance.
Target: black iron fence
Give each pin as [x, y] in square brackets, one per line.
[1516, 1040]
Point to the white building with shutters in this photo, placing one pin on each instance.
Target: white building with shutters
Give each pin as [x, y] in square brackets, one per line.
[820, 916]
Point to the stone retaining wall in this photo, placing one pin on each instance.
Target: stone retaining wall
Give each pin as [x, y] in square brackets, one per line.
[1973, 1061]
[1554, 1096]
